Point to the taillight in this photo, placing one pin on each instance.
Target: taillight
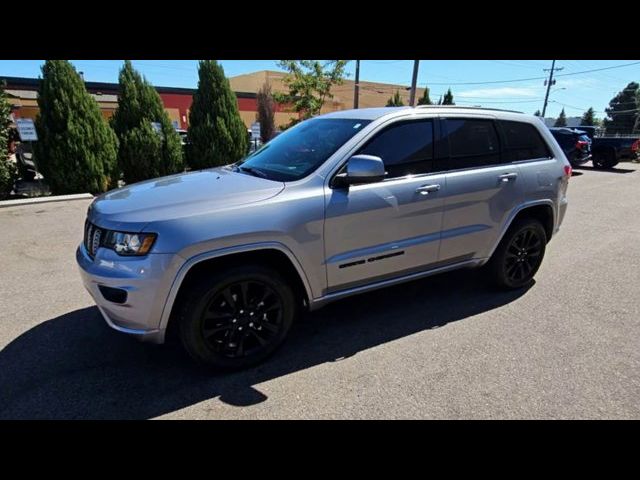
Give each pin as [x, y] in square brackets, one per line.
[635, 146]
[581, 144]
[568, 171]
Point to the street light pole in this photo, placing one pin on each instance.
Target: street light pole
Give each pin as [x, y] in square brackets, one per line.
[414, 80]
[356, 86]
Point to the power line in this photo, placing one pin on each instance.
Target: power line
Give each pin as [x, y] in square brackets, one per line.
[531, 78]
[483, 101]
[595, 111]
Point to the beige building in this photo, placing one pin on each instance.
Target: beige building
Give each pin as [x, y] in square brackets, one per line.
[372, 94]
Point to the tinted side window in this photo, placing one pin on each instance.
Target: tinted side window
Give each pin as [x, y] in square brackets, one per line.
[405, 148]
[522, 142]
[473, 143]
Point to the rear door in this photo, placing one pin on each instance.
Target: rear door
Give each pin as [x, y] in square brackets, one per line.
[483, 187]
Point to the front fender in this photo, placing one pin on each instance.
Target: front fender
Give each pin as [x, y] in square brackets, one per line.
[201, 257]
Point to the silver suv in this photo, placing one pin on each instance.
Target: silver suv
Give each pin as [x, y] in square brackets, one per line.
[340, 204]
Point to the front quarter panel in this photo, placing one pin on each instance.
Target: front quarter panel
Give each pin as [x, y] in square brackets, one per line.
[293, 219]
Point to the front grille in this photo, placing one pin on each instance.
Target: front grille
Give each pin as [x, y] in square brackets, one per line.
[93, 237]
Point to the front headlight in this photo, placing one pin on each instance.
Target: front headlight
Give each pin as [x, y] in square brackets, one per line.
[130, 243]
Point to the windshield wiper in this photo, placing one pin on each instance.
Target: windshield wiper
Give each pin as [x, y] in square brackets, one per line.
[255, 172]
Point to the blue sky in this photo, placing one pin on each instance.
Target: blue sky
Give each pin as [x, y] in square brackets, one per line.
[575, 93]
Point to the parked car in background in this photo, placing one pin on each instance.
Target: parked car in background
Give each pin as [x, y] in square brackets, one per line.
[607, 151]
[183, 136]
[340, 204]
[575, 144]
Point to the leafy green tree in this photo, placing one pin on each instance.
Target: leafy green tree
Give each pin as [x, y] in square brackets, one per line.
[448, 98]
[7, 171]
[425, 99]
[309, 83]
[144, 152]
[266, 112]
[395, 100]
[561, 121]
[76, 150]
[537, 113]
[588, 119]
[622, 112]
[217, 134]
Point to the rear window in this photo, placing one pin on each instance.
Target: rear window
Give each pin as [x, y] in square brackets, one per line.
[522, 142]
[473, 143]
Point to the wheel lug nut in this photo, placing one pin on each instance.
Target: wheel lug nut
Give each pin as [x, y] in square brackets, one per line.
[251, 324]
[251, 313]
[234, 320]
[241, 311]
[239, 328]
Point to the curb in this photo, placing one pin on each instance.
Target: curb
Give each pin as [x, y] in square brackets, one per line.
[57, 198]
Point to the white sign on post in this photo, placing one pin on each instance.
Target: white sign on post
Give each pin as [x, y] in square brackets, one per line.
[26, 130]
[255, 131]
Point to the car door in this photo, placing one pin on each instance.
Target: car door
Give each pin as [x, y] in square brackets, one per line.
[392, 227]
[483, 188]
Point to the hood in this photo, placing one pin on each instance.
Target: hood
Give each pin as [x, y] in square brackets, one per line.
[180, 195]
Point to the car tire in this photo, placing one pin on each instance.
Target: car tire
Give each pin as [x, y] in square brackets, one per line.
[604, 160]
[237, 318]
[519, 254]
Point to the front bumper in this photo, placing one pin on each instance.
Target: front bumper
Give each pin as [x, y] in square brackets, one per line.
[145, 279]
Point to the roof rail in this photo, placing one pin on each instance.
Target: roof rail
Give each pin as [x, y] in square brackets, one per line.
[461, 107]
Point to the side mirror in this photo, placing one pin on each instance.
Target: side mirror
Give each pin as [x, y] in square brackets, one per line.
[361, 169]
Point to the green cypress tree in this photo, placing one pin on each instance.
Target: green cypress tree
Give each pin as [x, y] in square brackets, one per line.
[448, 98]
[395, 100]
[144, 152]
[588, 119]
[561, 121]
[7, 171]
[76, 150]
[217, 134]
[425, 99]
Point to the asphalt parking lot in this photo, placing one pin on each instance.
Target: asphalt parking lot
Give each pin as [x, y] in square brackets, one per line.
[443, 347]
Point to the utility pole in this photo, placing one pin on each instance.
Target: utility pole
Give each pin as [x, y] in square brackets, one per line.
[356, 86]
[412, 95]
[548, 83]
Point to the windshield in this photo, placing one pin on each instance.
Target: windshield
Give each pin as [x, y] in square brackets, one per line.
[297, 152]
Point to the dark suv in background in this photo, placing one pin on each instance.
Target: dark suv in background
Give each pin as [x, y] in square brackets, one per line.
[575, 144]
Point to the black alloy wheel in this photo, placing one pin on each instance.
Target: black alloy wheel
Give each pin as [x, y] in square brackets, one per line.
[242, 318]
[523, 255]
[519, 254]
[236, 317]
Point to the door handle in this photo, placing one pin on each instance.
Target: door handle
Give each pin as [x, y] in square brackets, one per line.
[426, 189]
[507, 177]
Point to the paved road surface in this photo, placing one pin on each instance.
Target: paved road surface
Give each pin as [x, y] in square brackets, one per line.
[444, 347]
